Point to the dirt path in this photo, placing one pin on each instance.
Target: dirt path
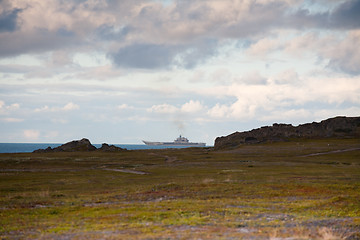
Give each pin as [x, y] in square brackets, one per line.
[331, 152]
[71, 170]
[125, 171]
[168, 159]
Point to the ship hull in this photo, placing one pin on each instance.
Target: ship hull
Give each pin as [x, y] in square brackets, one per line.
[190, 144]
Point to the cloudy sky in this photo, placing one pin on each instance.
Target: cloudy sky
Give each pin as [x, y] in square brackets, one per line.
[122, 71]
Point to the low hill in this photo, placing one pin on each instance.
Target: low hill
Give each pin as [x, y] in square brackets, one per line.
[341, 127]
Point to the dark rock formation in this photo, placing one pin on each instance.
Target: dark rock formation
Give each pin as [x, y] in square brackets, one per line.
[82, 145]
[110, 148]
[333, 127]
[48, 149]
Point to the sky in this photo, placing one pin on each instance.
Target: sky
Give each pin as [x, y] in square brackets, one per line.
[124, 71]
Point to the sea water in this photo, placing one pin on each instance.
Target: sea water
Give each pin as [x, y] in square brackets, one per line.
[29, 147]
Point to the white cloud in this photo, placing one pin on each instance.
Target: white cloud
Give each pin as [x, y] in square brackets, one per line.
[13, 106]
[12, 120]
[298, 44]
[288, 115]
[124, 106]
[219, 111]
[31, 134]
[222, 76]
[253, 78]
[8, 109]
[192, 107]
[67, 107]
[289, 76]
[243, 110]
[42, 109]
[51, 134]
[102, 73]
[70, 106]
[163, 108]
[325, 113]
[239, 110]
[334, 90]
[263, 47]
[285, 95]
[59, 120]
[346, 56]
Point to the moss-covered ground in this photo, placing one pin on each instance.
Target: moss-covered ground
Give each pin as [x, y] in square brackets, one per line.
[269, 191]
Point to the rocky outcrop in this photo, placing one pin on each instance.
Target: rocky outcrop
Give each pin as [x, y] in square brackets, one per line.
[110, 148]
[83, 145]
[333, 127]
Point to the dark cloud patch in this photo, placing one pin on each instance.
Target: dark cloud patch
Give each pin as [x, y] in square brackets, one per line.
[345, 56]
[16, 68]
[347, 61]
[345, 65]
[197, 14]
[63, 32]
[153, 56]
[259, 18]
[199, 53]
[346, 15]
[40, 40]
[110, 32]
[189, 31]
[9, 20]
[146, 56]
[303, 18]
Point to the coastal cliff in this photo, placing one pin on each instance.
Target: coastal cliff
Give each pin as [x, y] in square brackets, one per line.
[334, 127]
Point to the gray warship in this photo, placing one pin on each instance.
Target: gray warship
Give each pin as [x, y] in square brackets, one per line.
[180, 141]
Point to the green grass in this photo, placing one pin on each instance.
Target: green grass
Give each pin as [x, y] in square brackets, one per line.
[254, 191]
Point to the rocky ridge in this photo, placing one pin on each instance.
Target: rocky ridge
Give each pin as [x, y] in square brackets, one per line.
[83, 145]
[109, 148]
[334, 127]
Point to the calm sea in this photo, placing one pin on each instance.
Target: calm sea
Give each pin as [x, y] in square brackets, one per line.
[29, 147]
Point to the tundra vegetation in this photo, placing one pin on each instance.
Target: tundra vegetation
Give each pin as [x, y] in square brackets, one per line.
[299, 189]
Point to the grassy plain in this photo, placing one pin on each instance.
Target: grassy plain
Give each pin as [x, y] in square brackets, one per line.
[268, 191]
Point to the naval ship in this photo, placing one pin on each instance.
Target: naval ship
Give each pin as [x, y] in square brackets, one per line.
[180, 141]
